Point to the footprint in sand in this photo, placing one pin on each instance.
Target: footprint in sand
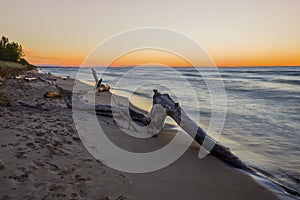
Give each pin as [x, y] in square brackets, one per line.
[56, 192]
[88, 160]
[1, 165]
[40, 141]
[25, 137]
[76, 138]
[6, 197]
[122, 198]
[24, 170]
[31, 145]
[80, 179]
[38, 163]
[52, 167]
[82, 193]
[21, 178]
[40, 133]
[74, 195]
[20, 155]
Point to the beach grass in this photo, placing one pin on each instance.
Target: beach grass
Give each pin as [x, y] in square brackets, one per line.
[9, 69]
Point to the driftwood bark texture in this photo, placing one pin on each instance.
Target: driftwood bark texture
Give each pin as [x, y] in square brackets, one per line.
[74, 101]
[195, 131]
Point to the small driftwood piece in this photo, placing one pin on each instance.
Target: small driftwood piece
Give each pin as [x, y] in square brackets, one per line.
[19, 77]
[100, 109]
[30, 79]
[65, 78]
[45, 80]
[99, 86]
[52, 94]
[35, 105]
[97, 81]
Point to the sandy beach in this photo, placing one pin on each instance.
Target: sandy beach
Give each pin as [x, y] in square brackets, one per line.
[42, 157]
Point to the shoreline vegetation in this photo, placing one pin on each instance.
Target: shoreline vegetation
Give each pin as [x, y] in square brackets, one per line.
[10, 69]
[42, 152]
[12, 51]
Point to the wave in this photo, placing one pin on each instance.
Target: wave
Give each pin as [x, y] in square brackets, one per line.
[292, 82]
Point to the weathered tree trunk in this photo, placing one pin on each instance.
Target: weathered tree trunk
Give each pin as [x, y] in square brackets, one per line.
[187, 124]
[173, 110]
[100, 109]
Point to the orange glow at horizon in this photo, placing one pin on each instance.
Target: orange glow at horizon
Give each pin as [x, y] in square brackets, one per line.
[36, 58]
[150, 57]
[258, 59]
[168, 59]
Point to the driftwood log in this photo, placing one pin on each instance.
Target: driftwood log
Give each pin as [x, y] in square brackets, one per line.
[195, 131]
[46, 81]
[28, 79]
[97, 81]
[52, 94]
[95, 77]
[174, 111]
[223, 153]
[100, 109]
[99, 86]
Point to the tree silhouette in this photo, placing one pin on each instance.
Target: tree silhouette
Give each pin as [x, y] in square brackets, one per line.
[11, 51]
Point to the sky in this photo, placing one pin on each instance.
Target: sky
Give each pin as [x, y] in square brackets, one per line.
[232, 32]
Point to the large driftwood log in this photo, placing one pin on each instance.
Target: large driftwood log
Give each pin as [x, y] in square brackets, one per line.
[100, 109]
[194, 130]
[174, 111]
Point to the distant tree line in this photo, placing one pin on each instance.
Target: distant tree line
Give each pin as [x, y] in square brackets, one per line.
[11, 51]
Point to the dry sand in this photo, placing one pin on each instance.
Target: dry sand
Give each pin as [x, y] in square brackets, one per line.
[42, 157]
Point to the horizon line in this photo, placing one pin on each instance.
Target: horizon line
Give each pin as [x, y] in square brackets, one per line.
[124, 66]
